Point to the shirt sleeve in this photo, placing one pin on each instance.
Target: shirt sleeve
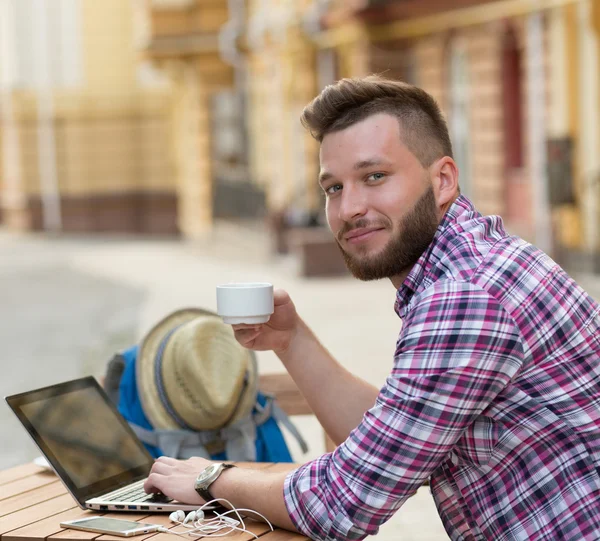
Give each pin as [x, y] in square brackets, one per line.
[457, 350]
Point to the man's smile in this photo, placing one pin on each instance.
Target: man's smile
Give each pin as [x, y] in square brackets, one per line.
[362, 234]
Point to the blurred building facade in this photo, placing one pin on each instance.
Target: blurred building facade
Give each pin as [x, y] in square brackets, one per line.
[519, 82]
[517, 79]
[84, 126]
[183, 39]
[242, 152]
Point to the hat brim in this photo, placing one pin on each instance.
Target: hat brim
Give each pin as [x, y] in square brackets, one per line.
[152, 405]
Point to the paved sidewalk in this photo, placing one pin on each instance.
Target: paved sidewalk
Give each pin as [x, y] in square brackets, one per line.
[68, 303]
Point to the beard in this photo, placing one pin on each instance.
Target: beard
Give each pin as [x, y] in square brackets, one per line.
[414, 233]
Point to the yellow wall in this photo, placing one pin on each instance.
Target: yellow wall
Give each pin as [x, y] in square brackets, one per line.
[103, 145]
[110, 134]
[109, 57]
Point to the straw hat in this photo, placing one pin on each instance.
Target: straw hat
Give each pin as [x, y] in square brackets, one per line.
[192, 373]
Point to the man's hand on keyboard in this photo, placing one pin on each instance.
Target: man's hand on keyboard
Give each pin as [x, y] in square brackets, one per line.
[176, 478]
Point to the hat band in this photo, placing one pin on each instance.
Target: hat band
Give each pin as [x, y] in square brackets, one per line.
[159, 380]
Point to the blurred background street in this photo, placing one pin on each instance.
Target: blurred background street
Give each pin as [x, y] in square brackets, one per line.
[151, 149]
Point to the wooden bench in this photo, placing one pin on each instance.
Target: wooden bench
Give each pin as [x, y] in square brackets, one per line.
[317, 252]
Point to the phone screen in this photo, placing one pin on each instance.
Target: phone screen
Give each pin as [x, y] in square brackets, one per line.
[111, 525]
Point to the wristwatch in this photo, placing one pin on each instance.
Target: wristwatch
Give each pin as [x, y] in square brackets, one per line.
[207, 477]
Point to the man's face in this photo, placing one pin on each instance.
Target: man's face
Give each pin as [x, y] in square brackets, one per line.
[381, 206]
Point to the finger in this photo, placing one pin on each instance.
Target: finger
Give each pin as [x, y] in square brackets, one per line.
[245, 336]
[162, 468]
[246, 332]
[246, 326]
[154, 483]
[281, 297]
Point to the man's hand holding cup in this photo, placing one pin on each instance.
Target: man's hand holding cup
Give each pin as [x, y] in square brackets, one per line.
[262, 319]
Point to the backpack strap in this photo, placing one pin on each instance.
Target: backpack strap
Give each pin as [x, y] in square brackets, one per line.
[272, 409]
[174, 443]
[180, 443]
[240, 440]
[281, 417]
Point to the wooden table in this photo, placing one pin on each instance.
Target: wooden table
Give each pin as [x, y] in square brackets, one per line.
[33, 502]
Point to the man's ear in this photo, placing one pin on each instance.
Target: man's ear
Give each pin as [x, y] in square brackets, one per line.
[444, 176]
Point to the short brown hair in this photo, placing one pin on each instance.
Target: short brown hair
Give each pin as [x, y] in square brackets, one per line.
[422, 126]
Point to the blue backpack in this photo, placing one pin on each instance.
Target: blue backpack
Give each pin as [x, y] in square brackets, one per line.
[258, 438]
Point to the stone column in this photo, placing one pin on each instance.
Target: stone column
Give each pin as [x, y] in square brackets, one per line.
[191, 138]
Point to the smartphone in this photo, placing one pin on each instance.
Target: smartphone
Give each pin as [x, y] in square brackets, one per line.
[113, 526]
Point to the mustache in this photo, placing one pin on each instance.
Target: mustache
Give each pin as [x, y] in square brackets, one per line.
[359, 224]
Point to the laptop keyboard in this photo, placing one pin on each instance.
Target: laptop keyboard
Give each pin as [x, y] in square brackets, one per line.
[135, 493]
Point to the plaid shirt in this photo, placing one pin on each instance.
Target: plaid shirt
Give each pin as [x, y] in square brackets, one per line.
[494, 396]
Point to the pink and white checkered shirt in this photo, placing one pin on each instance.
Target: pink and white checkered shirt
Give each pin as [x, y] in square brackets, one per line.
[494, 395]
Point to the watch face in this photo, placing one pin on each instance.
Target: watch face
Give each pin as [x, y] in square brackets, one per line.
[208, 473]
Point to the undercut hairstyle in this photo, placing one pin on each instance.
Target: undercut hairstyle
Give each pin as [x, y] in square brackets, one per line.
[423, 128]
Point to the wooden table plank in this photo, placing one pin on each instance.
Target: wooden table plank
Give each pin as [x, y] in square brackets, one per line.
[75, 535]
[32, 497]
[34, 504]
[283, 535]
[45, 527]
[26, 484]
[257, 528]
[18, 472]
[45, 509]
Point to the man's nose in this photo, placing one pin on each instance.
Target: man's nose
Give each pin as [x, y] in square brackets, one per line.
[353, 204]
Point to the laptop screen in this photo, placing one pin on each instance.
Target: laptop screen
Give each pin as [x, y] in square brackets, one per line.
[89, 444]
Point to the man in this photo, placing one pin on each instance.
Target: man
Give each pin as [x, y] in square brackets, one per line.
[494, 394]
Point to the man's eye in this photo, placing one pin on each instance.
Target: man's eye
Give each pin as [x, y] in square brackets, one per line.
[376, 176]
[333, 189]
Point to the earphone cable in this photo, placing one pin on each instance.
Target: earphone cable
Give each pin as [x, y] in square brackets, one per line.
[251, 511]
[213, 527]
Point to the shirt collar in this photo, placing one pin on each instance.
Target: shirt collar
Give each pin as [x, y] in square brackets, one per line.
[460, 211]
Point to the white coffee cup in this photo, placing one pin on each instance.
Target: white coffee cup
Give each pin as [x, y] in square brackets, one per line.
[245, 302]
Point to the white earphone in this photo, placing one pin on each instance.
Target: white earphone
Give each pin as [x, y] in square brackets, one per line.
[177, 516]
[180, 517]
[218, 526]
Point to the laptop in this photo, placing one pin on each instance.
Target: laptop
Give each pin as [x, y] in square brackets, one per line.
[90, 446]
